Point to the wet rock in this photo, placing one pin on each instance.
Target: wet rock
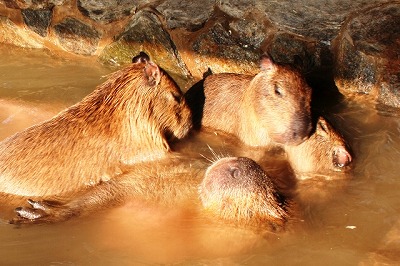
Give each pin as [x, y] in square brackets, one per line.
[77, 37]
[145, 33]
[237, 8]
[37, 20]
[106, 11]
[320, 20]
[368, 55]
[222, 48]
[10, 33]
[190, 15]
[36, 4]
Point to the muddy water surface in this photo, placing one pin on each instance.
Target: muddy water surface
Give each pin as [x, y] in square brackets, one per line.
[351, 221]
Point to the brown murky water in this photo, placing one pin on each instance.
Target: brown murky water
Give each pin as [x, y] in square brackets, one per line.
[354, 221]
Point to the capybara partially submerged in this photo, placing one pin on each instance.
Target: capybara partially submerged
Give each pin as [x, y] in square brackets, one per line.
[273, 105]
[238, 189]
[127, 119]
[234, 189]
[325, 150]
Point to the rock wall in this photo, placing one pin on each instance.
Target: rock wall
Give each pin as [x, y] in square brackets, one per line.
[356, 40]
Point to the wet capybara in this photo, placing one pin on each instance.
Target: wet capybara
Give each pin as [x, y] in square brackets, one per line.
[129, 118]
[326, 149]
[273, 105]
[238, 189]
[234, 189]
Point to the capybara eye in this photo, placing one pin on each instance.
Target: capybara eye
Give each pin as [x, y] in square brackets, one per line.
[278, 90]
[322, 128]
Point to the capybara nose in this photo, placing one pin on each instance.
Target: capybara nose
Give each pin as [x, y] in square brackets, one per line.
[341, 157]
[299, 132]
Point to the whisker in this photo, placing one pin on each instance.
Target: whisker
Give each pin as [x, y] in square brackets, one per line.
[206, 158]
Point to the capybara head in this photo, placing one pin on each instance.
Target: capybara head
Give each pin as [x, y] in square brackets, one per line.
[156, 98]
[237, 189]
[281, 99]
[325, 150]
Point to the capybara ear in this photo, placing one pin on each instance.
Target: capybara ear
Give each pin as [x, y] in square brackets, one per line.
[142, 57]
[153, 74]
[267, 64]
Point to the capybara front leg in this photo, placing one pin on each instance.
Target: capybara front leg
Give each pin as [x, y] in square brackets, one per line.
[40, 211]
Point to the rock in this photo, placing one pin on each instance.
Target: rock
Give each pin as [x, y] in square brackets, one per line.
[222, 48]
[106, 11]
[37, 20]
[77, 37]
[29, 4]
[190, 15]
[145, 33]
[12, 34]
[368, 55]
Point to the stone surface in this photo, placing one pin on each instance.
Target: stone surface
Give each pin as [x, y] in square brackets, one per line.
[106, 11]
[190, 15]
[35, 4]
[145, 33]
[77, 37]
[37, 20]
[10, 33]
[368, 55]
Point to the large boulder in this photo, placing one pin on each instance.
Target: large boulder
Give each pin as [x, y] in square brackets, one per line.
[367, 55]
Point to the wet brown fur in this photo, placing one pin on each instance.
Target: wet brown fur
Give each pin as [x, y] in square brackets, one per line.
[250, 200]
[273, 105]
[326, 149]
[127, 119]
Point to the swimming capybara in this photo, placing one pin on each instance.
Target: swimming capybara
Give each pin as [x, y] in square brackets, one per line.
[129, 118]
[234, 189]
[325, 150]
[238, 189]
[273, 105]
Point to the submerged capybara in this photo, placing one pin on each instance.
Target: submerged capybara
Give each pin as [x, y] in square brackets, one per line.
[273, 105]
[238, 189]
[129, 118]
[233, 189]
[326, 149]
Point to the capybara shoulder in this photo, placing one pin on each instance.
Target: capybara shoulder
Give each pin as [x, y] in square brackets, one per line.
[273, 105]
[129, 118]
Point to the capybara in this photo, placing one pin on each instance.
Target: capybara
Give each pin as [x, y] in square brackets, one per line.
[129, 118]
[273, 105]
[234, 189]
[325, 150]
[238, 189]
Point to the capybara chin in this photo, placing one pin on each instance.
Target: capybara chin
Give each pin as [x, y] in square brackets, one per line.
[237, 189]
[273, 105]
[233, 190]
[325, 150]
[127, 119]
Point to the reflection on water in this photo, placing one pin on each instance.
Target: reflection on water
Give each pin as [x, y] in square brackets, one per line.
[339, 222]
